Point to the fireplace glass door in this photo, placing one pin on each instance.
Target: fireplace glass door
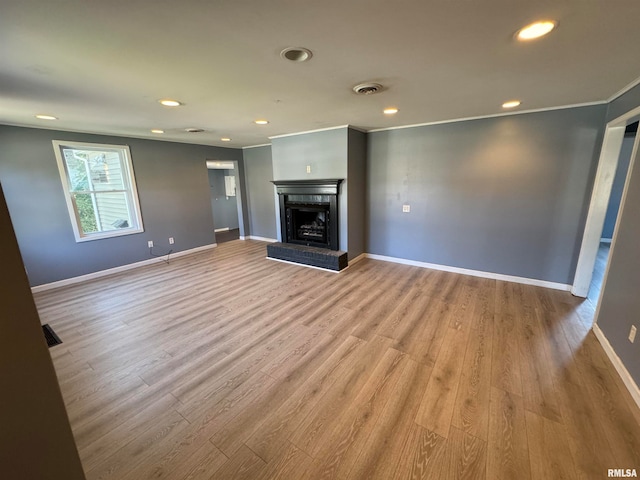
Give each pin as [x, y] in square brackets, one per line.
[308, 224]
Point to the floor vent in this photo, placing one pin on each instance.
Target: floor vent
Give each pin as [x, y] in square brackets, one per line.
[50, 335]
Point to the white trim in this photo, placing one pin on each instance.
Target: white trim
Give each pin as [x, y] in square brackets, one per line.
[225, 229]
[242, 237]
[256, 146]
[616, 229]
[618, 365]
[362, 256]
[111, 271]
[305, 265]
[124, 136]
[621, 121]
[262, 239]
[474, 273]
[222, 165]
[129, 189]
[310, 131]
[633, 84]
[607, 164]
[606, 240]
[493, 115]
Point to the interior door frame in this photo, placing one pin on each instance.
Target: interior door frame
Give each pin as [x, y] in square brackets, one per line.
[241, 200]
[607, 164]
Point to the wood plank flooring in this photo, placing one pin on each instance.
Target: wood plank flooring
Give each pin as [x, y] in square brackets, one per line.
[226, 365]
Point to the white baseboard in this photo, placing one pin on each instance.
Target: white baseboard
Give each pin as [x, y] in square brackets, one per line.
[225, 229]
[474, 273]
[606, 240]
[111, 271]
[617, 363]
[262, 239]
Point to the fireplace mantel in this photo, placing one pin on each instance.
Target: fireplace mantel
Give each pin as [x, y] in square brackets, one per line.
[308, 187]
[296, 196]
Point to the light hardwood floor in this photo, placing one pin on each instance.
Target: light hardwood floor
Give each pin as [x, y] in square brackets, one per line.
[598, 273]
[225, 365]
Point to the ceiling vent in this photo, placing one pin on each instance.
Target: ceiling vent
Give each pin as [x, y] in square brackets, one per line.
[368, 88]
[194, 130]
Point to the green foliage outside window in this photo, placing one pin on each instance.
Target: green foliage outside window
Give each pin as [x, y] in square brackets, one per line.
[84, 204]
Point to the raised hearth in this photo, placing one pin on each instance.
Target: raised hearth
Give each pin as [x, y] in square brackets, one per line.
[314, 256]
[309, 219]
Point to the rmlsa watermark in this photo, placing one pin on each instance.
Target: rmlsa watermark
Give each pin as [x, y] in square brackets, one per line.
[622, 473]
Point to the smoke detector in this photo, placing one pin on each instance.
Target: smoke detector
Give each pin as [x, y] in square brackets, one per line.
[194, 130]
[369, 88]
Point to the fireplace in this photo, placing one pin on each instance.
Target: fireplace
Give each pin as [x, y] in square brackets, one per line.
[309, 212]
[308, 224]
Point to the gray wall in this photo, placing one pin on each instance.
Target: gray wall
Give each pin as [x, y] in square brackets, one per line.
[225, 209]
[172, 186]
[620, 303]
[35, 437]
[326, 152]
[356, 207]
[624, 103]
[618, 187]
[507, 195]
[260, 192]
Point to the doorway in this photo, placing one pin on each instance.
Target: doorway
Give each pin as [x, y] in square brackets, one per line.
[613, 209]
[225, 201]
[607, 199]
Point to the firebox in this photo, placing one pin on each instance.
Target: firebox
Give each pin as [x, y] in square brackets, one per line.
[309, 212]
[308, 224]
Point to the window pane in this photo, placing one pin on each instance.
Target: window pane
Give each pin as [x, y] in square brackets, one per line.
[106, 171]
[77, 167]
[86, 212]
[112, 210]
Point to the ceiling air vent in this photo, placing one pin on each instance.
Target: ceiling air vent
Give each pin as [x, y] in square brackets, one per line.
[368, 88]
[194, 130]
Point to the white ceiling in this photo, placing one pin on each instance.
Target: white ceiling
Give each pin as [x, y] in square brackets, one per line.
[101, 66]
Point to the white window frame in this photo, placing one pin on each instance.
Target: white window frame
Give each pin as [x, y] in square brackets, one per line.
[128, 177]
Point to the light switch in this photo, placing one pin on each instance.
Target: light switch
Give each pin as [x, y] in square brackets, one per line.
[308, 168]
[406, 208]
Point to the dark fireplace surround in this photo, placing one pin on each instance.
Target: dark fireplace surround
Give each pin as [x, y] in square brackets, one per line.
[309, 212]
[309, 224]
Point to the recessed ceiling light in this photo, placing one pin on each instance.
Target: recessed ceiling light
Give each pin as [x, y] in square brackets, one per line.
[169, 103]
[157, 130]
[225, 139]
[261, 122]
[535, 30]
[511, 104]
[296, 54]
[46, 117]
[390, 111]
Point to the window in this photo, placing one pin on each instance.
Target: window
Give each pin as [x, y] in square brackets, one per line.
[100, 189]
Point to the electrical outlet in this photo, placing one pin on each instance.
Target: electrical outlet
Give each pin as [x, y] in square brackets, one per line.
[632, 334]
[406, 208]
[170, 240]
[308, 168]
[150, 243]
